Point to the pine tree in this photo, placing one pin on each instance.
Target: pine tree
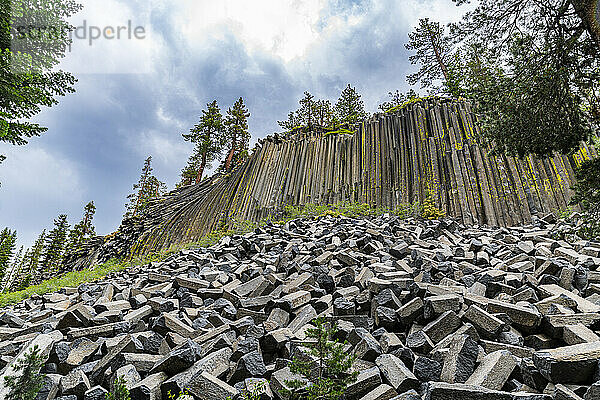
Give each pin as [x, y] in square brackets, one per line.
[208, 136]
[28, 381]
[325, 114]
[307, 111]
[146, 189]
[8, 240]
[533, 73]
[398, 99]
[437, 57]
[305, 116]
[236, 135]
[55, 245]
[19, 280]
[291, 123]
[84, 230]
[325, 371]
[349, 107]
[13, 269]
[33, 263]
[29, 78]
[190, 172]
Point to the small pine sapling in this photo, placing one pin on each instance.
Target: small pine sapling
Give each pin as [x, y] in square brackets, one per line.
[119, 392]
[28, 381]
[327, 375]
[254, 394]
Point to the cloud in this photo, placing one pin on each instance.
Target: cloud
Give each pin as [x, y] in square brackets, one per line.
[37, 185]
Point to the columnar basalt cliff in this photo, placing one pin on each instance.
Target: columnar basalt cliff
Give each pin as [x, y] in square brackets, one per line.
[427, 149]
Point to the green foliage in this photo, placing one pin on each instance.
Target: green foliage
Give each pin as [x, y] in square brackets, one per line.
[29, 79]
[348, 210]
[31, 263]
[429, 210]
[325, 115]
[84, 230]
[55, 245]
[398, 100]
[236, 135]
[8, 241]
[328, 370]
[173, 396]
[209, 137]
[587, 195]
[349, 108]
[563, 214]
[14, 267]
[533, 69]
[340, 131]
[27, 381]
[254, 394]
[119, 392]
[305, 116]
[145, 190]
[438, 59]
[71, 279]
[515, 106]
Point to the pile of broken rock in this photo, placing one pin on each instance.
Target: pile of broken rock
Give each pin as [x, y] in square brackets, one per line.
[432, 310]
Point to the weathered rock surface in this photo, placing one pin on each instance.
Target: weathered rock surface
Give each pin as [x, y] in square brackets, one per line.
[432, 310]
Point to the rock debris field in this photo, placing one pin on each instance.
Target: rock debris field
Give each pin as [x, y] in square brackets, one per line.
[433, 310]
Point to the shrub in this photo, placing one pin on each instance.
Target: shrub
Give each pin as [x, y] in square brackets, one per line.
[119, 392]
[327, 375]
[587, 195]
[430, 211]
[26, 384]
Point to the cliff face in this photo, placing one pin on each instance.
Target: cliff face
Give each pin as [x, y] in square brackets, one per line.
[425, 149]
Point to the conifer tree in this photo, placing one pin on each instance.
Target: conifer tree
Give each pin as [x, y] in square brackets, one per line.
[325, 114]
[208, 136]
[13, 269]
[26, 384]
[304, 116]
[350, 108]
[326, 370]
[397, 99]
[438, 58]
[534, 73]
[21, 273]
[307, 111]
[190, 172]
[236, 135]
[291, 123]
[55, 245]
[33, 262]
[29, 79]
[146, 189]
[84, 230]
[8, 240]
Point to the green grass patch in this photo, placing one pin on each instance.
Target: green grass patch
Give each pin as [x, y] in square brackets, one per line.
[340, 131]
[408, 102]
[71, 279]
[349, 210]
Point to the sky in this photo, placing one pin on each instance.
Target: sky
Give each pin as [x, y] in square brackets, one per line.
[137, 93]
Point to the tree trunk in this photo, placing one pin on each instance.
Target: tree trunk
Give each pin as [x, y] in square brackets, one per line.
[230, 156]
[201, 170]
[589, 12]
[438, 55]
